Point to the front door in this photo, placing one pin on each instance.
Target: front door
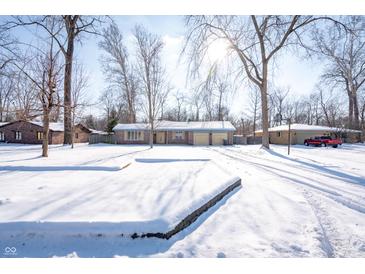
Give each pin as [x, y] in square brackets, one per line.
[160, 137]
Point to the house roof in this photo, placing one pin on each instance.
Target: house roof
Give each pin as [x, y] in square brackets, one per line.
[304, 127]
[58, 126]
[94, 131]
[183, 126]
[52, 126]
[3, 123]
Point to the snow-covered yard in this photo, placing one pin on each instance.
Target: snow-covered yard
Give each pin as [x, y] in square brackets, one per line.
[308, 204]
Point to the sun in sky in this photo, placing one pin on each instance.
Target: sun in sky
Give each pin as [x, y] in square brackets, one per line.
[217, 50]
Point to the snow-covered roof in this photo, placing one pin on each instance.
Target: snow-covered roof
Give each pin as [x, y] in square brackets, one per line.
[94, 131]
[135, 126]
[183, 126]
[3, 123]
[52, 126]
[304, 127]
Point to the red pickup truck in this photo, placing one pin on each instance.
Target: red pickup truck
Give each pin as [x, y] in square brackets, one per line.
[323, 141]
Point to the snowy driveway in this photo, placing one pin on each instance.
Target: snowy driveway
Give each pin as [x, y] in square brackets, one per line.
[309, 204]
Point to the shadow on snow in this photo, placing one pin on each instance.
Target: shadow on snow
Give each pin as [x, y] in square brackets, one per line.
[98, 239]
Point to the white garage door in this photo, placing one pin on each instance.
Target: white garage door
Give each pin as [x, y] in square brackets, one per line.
[217, 138]
[201, 138]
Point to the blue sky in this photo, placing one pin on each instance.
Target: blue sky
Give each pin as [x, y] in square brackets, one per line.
[300, 75]
[294, 72]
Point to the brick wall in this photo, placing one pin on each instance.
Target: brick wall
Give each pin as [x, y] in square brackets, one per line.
[28, 132]
[56, 138]
[81, 135]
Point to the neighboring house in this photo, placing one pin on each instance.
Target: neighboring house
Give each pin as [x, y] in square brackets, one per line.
[300, 132]
[30, 132]
[169, 132]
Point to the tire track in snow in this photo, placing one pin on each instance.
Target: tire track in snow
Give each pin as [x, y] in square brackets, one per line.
[344, 200]
[332, 242]
[324, 225]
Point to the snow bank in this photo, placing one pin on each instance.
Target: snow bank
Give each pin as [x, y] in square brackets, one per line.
[85, 190]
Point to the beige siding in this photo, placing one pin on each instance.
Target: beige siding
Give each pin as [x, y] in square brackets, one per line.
[302, 135]
[281, 137]
[297, 137]
[217, 138]
[201, 138]
[160, 137]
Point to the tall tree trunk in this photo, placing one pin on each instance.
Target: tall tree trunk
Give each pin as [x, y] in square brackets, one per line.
[254, 119]
[150, 116]
[264, 108]
[45, 133]
[220, 116]
[151, 133]
[363, 117]
[67, 88]
[356, 122]
[351, 111]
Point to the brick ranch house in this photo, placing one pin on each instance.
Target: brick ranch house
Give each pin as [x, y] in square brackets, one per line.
[169, 132]
[300, 132]
[30, 132]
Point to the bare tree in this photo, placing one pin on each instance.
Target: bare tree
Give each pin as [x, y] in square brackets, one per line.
[7, 82]
[196, 102]
[255, 40]
[118, 69]
[180, 101]
[80, 100]
[107, 102]
[344, 51]
[254, 97]
[152, 75]
[278, 98]
[43, 72]
[208, 99]
[25, 96]
[330, 108]
[362, 111]
[314, 114]
[66, 33]
[222, 90]
[7, 47]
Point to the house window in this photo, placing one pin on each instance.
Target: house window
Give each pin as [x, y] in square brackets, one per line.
[2, 137]
[134, 136]
[18, 135]
[278, 134]
[76, 135]
[39, 135]
[179, 135]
